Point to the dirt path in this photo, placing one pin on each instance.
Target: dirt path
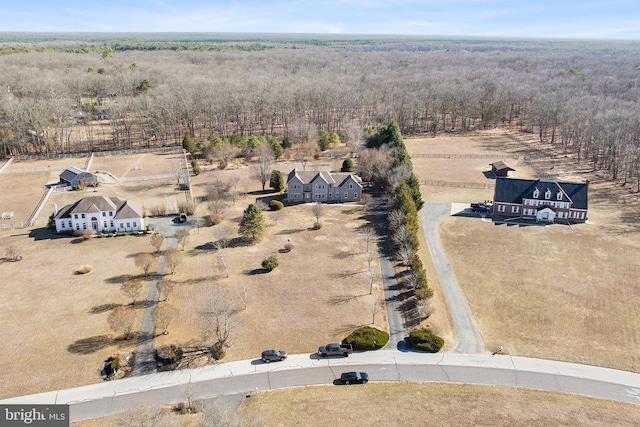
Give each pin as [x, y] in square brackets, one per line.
[469, 340]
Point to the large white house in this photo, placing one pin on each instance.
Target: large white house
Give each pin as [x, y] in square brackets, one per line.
[99, 213]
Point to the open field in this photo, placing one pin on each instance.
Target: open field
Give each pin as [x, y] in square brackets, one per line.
[124, 165]
[415, 404]
[29, 186]
[54, 327]
[58, 318]
[572, 288]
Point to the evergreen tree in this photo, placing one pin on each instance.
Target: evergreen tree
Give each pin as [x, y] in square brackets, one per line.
[324, 140]
[347, 165]
[286, 142]
[414, 186]
[275, 144]
[277, 181]
[253, 227]
[188, 144]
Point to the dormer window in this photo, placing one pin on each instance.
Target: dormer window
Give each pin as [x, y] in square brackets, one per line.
[559, 195]
[536, 193]
[547, 194]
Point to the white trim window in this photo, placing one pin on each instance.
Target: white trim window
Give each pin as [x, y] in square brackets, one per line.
[547, 194]
[501, 208]
[536, 193]
[515, 209]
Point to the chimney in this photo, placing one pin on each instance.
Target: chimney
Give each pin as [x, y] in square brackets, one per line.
[55, 209]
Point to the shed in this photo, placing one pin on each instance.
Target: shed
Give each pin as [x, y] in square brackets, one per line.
[74, 177]
[501, 168]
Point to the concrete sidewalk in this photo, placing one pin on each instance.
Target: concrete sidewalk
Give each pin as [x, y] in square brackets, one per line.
[112, 397]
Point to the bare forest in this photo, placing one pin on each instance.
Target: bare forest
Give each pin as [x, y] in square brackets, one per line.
[60, 96]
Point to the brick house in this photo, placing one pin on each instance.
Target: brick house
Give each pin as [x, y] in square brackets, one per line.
[540, 200]
[322, 186]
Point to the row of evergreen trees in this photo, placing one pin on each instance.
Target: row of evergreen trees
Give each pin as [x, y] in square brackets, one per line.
[403, 218]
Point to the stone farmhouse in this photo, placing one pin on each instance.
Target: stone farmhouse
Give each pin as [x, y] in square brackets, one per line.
[76, 177]
[322, 186]
[99, 213]
[540, 200]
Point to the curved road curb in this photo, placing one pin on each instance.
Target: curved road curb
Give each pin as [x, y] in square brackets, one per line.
[113, 397]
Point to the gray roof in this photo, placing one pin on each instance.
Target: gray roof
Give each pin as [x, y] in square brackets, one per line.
[308, 177]
[123, 208]
[71, 172]
[512, 190]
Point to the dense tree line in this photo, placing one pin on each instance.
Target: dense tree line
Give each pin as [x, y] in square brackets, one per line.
[581, 96]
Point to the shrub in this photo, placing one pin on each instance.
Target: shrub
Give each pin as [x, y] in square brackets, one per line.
[218, 353]
[423, 339]
[196, 167]
[84, 269]
[115, 364]
[270, 263]
[347, 165]
[275, 205]
[187, 207]
[424, 292]
[367, 338]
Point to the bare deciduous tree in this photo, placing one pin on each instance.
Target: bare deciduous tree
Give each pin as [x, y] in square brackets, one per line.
[13, 253]
[243, 293]
[317, 210]
[163, 315]
[143, 261]
[121, 319]
[182, 235]
[369, 235]
[157, 240]
[131, 288]
[377, 307]
[372, 277]
[173, 258]
[165, 286]
[265, 159]
[219, 318]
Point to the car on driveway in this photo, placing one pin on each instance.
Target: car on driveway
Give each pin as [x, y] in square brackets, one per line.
[481, 207]
[354, 378]
[273, 356]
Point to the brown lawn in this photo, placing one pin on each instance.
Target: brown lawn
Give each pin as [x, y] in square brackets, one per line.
[125, 165]
[21, 193]
[57, 318]
[558, 292]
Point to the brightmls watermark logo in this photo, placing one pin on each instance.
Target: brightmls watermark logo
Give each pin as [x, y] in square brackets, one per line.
[34, 415]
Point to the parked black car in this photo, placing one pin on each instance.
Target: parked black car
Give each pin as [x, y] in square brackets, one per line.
[273, 355]
[354, 377]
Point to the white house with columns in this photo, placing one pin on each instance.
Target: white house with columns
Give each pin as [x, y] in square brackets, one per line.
[99, 213]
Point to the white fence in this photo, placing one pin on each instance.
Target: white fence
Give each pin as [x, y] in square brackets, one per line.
[145, 178]
[31, 170]
[8, 162]
[98, 153]
[23, 224]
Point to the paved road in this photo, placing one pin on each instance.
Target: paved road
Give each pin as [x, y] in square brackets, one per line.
[469, 340]
[230, 379]
[395, 315]
[144, 362]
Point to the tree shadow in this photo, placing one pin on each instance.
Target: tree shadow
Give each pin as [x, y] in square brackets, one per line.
[341, 299]
[345, 329]
[257, 271]
[291, 231]
[90, 345]
[118, 279]
[209, 246]
[103, 308]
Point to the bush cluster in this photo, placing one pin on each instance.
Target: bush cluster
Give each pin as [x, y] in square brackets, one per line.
[423, 339]
[367, 338]
[270, 263]
[276, 205]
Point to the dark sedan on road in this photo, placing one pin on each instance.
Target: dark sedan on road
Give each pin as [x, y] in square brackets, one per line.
[354, 377]
[273, 355]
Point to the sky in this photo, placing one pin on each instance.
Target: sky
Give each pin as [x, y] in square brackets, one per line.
[593, 19]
